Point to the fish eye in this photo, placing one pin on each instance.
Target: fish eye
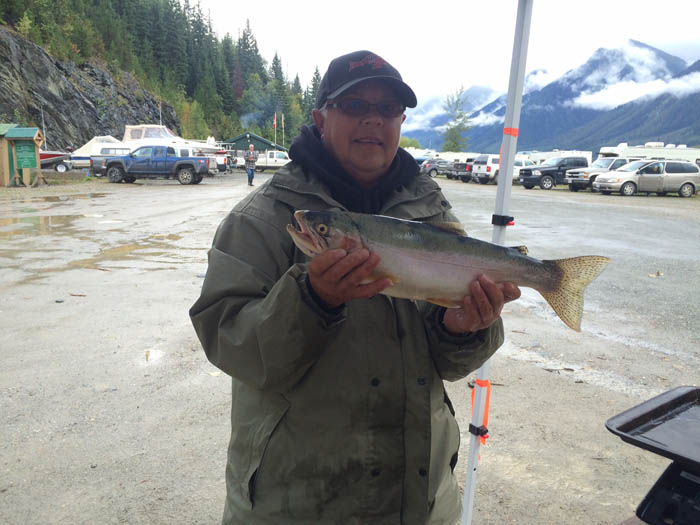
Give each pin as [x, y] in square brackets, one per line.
[322, 229]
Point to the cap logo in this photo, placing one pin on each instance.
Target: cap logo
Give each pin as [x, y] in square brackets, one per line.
[377, 62]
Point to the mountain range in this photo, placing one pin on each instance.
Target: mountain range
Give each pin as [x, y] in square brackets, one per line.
[635, 93]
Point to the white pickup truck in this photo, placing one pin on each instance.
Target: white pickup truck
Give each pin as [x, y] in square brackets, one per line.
[271, 159]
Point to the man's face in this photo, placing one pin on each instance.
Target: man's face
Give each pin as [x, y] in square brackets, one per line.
[364, 146]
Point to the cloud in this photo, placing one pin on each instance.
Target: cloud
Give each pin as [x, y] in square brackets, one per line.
[486, 119]
[537, 80]
[623, 92]
[420, 118]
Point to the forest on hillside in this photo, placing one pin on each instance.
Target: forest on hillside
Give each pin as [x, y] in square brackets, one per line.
[217, 87]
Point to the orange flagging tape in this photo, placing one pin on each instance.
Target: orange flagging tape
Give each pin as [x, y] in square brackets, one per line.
[483, 383]
[510, 131]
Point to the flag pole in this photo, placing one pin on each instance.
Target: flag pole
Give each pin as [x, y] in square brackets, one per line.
[500, 220]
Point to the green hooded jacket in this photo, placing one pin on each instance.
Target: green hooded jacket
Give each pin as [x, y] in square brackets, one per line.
[336, 417]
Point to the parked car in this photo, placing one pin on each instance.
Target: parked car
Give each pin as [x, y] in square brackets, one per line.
[518, 164]
[108, 151]
[271, 159]
[485, 168]
[435, 167]
[460, 171]
[550, 173]
[150, 162]
[651, 176]
[582, 178]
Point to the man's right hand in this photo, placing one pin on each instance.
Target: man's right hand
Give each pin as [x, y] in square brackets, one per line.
[336, 275]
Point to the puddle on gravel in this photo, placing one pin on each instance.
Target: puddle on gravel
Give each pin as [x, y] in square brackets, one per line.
[35, 225]
[60, 198]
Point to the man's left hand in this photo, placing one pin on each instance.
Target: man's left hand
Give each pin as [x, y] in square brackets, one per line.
[480, 309]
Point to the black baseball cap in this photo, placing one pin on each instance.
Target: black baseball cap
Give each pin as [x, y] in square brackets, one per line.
[347, 70]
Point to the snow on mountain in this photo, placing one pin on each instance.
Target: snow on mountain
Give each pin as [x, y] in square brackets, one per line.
[553, 107]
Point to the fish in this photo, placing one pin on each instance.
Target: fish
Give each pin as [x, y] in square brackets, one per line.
[436, 262]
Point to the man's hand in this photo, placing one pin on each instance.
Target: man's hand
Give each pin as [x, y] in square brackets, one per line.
[480, 309]
[336, 275]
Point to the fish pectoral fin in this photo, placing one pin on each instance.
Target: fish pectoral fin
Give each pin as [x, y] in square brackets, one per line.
[377, 276]
[452, 227]
[447, 303]
[522, 249]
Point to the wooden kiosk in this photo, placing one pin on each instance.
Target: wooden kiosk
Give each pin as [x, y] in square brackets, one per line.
[19, 155]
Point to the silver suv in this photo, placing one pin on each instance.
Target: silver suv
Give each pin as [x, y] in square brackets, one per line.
[436, 166]
[582, 178]
[651, 176]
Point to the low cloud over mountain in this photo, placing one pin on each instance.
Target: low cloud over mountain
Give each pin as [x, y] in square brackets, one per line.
[554, 108]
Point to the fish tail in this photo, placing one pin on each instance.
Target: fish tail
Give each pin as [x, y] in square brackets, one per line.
[566, 299]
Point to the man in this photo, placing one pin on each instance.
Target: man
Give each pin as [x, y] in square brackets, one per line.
[250, 159]
[339, 412]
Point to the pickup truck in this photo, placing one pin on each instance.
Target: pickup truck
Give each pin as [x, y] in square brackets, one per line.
[151, 162]
[550, 173]
[582, 178]
[271, 159]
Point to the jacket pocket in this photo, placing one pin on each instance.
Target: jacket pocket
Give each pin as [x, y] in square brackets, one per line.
[248, 445]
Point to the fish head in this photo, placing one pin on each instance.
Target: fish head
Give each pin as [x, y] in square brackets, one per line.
[320, 231]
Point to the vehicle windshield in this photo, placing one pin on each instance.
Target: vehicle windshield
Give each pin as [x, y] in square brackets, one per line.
[603, 163]
[157, 133]
[633, 166]
[552, 162]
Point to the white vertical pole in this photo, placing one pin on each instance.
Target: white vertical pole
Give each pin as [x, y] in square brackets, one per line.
[505, 177]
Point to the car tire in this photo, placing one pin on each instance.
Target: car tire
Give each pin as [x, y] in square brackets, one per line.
[115, 174]
[464, 178]
[546, 182]
[528, 186]
[628, 189]
[197, 179]
[130, 179]
[432, 173]
[687, 190]
[185, 175]
[573, 188]
[483, 181]
[61, 167]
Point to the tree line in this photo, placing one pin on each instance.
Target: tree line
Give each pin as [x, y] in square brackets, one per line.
[217, 87]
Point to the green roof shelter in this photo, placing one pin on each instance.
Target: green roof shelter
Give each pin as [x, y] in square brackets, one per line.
[242, 141]
[19, 153]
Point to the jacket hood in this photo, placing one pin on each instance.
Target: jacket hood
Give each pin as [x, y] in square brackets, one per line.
[308, 151]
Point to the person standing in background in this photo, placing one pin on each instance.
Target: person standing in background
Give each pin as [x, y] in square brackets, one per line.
[250, 158]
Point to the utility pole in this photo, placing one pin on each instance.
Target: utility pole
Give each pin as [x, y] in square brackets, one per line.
[43, 126]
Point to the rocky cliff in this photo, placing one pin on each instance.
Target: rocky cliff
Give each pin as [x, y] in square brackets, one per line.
[79, 101]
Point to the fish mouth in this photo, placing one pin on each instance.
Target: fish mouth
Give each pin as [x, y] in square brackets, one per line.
[303, 237]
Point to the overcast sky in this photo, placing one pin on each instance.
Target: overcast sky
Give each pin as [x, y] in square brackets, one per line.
[441, 45]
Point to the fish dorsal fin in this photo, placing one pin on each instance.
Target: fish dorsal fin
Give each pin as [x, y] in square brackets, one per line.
[452, 227]
[521, 249]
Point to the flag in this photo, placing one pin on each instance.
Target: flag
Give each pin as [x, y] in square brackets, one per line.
[274, 121]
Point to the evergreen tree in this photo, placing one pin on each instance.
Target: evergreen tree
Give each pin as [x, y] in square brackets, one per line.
[309, 98]
[453, 136]
[296, 87]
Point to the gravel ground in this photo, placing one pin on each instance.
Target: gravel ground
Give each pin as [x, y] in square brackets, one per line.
[111, 412]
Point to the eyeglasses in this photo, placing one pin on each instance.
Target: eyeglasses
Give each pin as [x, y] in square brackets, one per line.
[356, 107]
